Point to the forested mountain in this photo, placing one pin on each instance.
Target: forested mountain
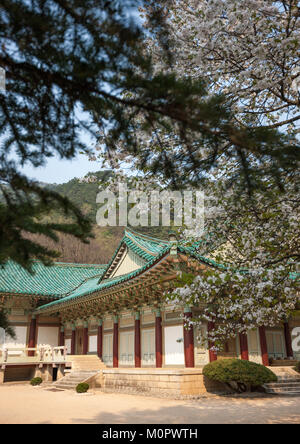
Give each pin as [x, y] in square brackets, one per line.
[101, 248]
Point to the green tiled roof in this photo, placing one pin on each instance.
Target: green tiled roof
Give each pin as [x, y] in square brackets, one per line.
[148, 248]
[93, 285]
[54, 282]
[192, 251]
[144, 246]
[65, 282]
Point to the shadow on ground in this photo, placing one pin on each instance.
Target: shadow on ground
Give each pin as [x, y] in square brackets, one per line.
[208, 411]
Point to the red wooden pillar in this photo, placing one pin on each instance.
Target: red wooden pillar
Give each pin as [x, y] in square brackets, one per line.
[73, 340]
[244, 346]
[137, 340]
[263, 346]
[212, 353]
[85, 338]
[188, 338]
[100, 340]
[158, 339]
[288, 340]
[32, 335]
[116, 343]
[62, 336]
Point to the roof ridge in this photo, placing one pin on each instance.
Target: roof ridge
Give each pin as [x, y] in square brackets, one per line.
[75, 264]
[107, 283]
[146, 236]
[68, 264]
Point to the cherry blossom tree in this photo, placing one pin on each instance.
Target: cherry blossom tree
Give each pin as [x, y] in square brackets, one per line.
[247, 50]
[254, 244]
[246, 56]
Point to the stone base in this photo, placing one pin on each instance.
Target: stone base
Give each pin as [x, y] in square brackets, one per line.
[284, 362]
[17, 373]
[173, 382]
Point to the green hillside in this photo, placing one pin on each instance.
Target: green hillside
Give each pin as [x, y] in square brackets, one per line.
[101, 248]
[83, 194]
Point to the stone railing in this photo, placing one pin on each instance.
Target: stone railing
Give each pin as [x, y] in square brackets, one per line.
[33, 355]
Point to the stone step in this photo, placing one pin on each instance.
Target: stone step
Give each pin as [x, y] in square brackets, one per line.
[288, 383]
[287, 379]
[75, 380]
[66, 386]
[81, 376]
[284, 391]
[71, 380]
[283, 385]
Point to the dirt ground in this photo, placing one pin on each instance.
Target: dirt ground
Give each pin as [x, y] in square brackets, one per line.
[22, 403]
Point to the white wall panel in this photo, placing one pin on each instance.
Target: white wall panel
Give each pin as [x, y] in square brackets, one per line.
[68, 345]
[126, 348]
[48, 336]
[107, 357]
[174, 351]
[21, 338]
[92, 343]
[148, 346]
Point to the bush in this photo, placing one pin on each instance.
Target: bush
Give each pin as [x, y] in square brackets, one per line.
[238, 374]
[36, 381]
[82, 387]
[297, 366]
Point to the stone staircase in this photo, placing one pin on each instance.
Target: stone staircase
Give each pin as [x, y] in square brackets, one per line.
[85, 363]
[71, 380]
[84, 368]
[288, 383]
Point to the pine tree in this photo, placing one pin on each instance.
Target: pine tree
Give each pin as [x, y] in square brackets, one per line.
[82, 64]
[4, 323]
[66, 65]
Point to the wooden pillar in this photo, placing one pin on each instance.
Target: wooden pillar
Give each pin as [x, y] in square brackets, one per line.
[188, 337]
[116, 343]
[244, 346]
[288, 340]
[85, 338]
[32, 335]
[73, 340]
[137, 340]
[158, 339]
[62, 336]
[100, 339]
[263, 346]
[212, 353]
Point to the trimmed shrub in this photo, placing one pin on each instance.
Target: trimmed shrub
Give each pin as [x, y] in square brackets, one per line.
[82, 387]
[238, 374]
[36, 381]
[297, 366]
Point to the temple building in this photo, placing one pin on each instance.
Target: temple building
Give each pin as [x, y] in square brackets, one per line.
[117, 311]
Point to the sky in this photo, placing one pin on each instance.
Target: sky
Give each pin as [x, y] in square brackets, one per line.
[60, 171]
[57, 170]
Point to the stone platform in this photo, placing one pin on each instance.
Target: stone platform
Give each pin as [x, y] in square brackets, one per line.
[173, 382]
